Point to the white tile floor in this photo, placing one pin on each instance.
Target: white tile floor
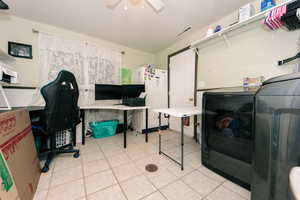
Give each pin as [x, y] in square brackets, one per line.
[107, 171]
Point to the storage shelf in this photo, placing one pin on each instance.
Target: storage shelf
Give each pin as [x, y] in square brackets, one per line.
[5, 57]
[250, 20]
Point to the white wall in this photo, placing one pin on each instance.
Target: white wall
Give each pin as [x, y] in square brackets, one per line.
[20, 30]
[254, 51]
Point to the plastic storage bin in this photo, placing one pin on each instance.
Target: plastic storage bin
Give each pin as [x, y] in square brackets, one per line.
[103, 129]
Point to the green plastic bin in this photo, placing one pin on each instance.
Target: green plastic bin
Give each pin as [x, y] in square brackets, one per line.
[104, 129]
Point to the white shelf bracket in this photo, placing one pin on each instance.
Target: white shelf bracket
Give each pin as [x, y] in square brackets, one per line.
[226, 40]
[196, 50]
[4, 100]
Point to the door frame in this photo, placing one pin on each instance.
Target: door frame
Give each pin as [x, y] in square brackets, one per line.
[195, 84]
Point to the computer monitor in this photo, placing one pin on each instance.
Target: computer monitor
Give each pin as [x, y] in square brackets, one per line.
[132, 91]
[108, 92]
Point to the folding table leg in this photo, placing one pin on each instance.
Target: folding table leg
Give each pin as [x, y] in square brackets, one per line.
[146, 125]
[125, 128]
[182, 141]
[82, 113]
[74, 138]
[159, 135]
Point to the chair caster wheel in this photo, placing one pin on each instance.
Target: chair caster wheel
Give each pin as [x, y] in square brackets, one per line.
[76, 155]
[45, 169]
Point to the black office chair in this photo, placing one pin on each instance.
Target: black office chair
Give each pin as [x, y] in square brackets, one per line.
[61, 113]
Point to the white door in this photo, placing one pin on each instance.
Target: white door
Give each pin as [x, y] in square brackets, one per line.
[182, 86]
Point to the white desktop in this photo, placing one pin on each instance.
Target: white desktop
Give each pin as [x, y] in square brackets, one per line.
[6, 76]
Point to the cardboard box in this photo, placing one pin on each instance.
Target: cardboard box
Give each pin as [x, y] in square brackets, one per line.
[20, 168]
[246, 12]
[8, 188]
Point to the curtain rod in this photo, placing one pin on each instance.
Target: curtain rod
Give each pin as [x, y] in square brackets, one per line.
[37, 32]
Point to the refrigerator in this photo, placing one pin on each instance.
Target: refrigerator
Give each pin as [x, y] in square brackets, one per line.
[277, 137]
[156, 87]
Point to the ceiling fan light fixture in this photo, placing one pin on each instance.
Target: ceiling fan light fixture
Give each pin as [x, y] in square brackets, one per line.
[111, 3]
[158, 5]
[3, 6]
[126, 5]
[135, 2]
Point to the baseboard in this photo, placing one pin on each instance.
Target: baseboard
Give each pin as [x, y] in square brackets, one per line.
[155, 129]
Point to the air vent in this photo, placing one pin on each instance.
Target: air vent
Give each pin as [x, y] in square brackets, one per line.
[184, 31]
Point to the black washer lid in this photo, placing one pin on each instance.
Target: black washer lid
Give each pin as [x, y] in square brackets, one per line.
[287, 77]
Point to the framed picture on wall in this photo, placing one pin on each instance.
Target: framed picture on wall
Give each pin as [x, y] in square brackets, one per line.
[20, 50]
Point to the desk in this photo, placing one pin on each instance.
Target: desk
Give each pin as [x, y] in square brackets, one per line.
[180, 113]
[97, 107]
[113, 107]
[29, 108]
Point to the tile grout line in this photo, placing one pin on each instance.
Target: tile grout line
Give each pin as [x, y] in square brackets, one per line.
[204, 197]
[83, 178]
[102, 189]
[51, 177]
[143, 174]
[158, 189]
[111, 168]
[152, 185]
[233, 191]
[52, 172]
[179, 179]
[58, 185]
[221, 184]
[134, 161]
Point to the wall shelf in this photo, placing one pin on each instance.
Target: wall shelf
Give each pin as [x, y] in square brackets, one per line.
[223, 32]
[4, 57]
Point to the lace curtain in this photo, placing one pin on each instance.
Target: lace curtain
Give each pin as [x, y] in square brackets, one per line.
[89, 63]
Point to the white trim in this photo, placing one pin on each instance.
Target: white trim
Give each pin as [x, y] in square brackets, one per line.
[5, 99]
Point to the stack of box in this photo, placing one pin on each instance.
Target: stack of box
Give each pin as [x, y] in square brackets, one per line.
[246, 12]
[19, 164]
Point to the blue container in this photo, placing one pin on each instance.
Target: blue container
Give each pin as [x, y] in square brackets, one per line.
[266, 4]
[104, 129]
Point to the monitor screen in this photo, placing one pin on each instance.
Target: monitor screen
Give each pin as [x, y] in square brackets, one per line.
[132, 91]
[108, 92]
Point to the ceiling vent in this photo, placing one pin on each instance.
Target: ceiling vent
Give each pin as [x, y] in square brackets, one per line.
[184, 31]
[3, 6]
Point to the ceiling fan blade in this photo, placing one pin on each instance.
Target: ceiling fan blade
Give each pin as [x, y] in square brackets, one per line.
[135, 2]
[111, 3]
[158, 5]
[3, 5]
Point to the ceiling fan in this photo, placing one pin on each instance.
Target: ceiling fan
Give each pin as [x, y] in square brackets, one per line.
[3, 5]
[157, 5]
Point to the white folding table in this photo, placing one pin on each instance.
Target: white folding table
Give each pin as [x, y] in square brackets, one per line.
[114, 107]
[182, 113]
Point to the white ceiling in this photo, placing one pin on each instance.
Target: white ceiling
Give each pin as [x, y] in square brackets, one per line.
[140, 28]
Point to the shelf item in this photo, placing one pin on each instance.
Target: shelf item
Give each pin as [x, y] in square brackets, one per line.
[5, 105]
[4, 57]
[236, 26]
